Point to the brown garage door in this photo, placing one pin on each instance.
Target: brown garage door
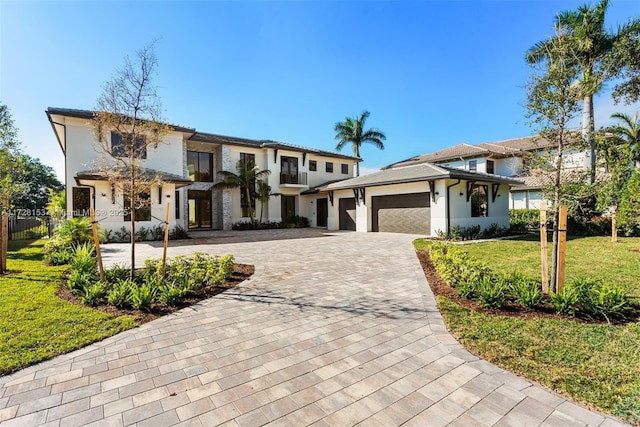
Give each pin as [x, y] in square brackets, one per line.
[347, 216]
[401, 213]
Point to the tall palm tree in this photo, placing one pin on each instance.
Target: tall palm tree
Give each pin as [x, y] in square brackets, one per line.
[245, 179]
[591, 43]
[628, 132]
[351, 131]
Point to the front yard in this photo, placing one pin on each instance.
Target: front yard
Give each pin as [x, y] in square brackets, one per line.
[595, 363]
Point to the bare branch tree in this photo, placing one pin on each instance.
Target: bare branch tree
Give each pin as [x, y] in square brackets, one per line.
[127, 123]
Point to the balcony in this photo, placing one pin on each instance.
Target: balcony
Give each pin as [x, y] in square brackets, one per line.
[294, 180]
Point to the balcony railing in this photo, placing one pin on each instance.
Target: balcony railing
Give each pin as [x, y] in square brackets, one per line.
[292, 178]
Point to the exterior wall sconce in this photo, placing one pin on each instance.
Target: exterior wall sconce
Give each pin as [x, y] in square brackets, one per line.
[104, 194]
[461, 194]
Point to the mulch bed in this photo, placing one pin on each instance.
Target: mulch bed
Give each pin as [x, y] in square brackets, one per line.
[544, 311]
[241, 273]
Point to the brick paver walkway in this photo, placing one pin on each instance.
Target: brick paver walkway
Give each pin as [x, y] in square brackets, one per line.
[333, 330]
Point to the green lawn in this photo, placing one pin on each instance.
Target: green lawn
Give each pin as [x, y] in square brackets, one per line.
[34, 323]
[596, 364]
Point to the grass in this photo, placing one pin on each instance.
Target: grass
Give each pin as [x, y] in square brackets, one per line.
[35, 324]
[597, 364]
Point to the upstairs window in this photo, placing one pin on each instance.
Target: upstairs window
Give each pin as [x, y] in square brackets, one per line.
[121, 147]
[248, 157]
[329, 167]
[490, 166]
[200, 166]
[345, 168]
[473, 165]
[313, 165]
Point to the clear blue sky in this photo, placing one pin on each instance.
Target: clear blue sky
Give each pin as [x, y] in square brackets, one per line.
[432, 73]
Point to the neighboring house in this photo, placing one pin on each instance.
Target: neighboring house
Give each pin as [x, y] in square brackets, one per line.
[514, 158]
[421, 198]
[188, 162]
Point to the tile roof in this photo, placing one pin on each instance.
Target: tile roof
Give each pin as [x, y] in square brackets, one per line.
[97, 175]
[537, 179]
[415, 173]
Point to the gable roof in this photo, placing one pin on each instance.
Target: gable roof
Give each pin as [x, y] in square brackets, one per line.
[415, 173]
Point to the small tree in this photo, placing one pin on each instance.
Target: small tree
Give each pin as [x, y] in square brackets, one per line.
[552, 102]
[629, 208]
[11, 172]
[245, 179]
[263, 195]
[352, 132]
[57, 204]
[127, 123]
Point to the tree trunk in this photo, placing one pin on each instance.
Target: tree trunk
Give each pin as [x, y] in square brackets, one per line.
[133, 232]
[356, 151]
[556, 214]
[588, 133]
[4, 234]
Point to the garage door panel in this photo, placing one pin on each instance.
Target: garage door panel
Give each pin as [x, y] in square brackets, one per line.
[402, 213]
[347, 213]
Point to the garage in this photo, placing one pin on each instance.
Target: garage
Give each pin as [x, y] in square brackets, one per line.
[401, 213]
[347, 213]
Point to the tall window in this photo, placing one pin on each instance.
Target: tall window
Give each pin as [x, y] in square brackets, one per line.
[329, 167]
[177, 202]
[288, 170]
[473, 165]
[120, 147]
[248, 158]
[143, 213]
[345, 168]
[480, 200]
[200, 166]
[490, 166]
[81, 201]
[313, 165]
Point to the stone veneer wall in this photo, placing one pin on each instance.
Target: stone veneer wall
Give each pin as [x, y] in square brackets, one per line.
[227, 202]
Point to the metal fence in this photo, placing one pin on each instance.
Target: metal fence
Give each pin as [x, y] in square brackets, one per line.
[30, 228]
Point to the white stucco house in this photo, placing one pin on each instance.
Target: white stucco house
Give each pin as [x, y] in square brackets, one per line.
[422, 198]
[188, 162]
[510, 158]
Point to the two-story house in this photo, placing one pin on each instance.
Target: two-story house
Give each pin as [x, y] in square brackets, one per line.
[188, 163]
[518, 158]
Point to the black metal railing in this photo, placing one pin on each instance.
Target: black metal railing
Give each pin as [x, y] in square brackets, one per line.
[292, 178]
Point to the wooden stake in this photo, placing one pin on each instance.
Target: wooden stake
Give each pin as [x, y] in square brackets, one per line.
[166, 240]
[562, 247]
[96, 241]
[614, 225]
[544, 261]
[5, 235]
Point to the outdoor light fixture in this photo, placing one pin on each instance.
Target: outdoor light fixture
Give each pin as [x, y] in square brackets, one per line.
[104, 194]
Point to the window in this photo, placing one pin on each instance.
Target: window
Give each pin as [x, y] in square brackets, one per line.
[143, 212]
[329, 167]
[490, 166]
[177, 202]
[313, 165]
[345, 168]
[249, 159]
[480, 200]
[120, 147]
[288, 205]
[473, 165]
[288, 170]
[200, 166]
[81, 201]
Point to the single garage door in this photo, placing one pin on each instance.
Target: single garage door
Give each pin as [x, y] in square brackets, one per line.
[401, 213]
[347, 215]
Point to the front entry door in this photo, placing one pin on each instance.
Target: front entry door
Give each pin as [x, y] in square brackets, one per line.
[199, 209]
[322, 212]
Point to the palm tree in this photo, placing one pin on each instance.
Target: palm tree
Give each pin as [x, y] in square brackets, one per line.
[263, 194]
[628, 132]
[245, 179]
[591, 43]
[351, 131]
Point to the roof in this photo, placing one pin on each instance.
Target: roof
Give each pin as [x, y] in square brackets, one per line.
[208, 137]
[537, 179]
[506, 148]
[97, 175]
[417, 173]
[88, 114]
[264, 143]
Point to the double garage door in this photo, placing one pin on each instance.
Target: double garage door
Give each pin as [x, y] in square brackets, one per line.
[398, 213]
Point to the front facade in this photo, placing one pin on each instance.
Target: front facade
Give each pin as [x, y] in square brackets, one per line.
[424, 198]
[188, 163]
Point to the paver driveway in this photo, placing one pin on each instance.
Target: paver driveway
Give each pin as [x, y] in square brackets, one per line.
[333, 330]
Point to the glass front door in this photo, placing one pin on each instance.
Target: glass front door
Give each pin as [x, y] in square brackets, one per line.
[199, 209]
